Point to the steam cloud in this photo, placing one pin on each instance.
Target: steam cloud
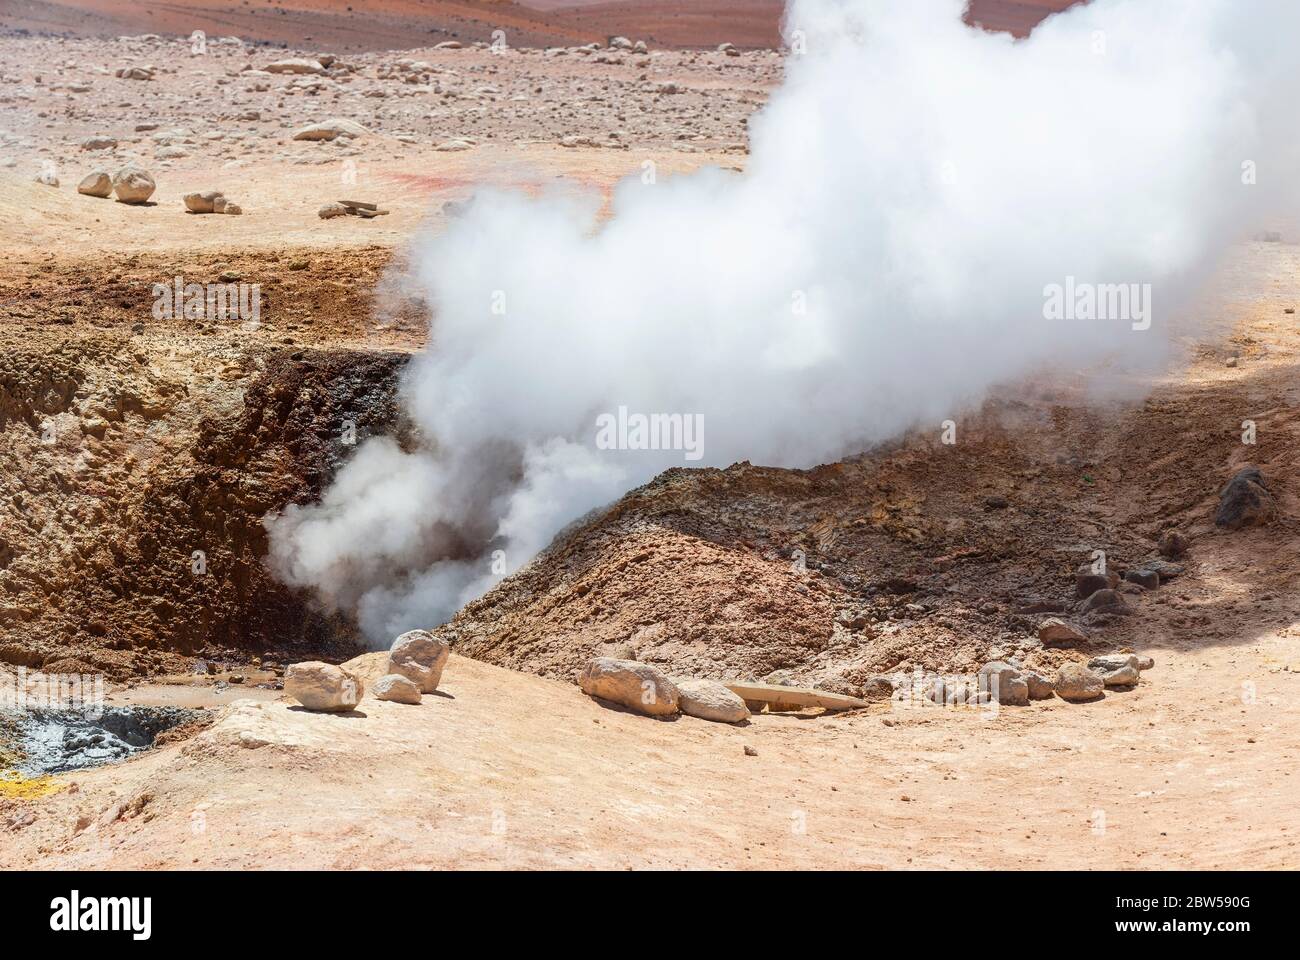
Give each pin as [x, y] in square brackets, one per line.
[911, 190]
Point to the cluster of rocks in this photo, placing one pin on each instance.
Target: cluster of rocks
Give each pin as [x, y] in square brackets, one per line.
[415, 664]
[1245, 501]
[646, 689]
[211, 201]
[426, 97]
[131, 184]
[1010, 685]
[351, 208]
[407, 70]
[615, 43]
[1101, 592]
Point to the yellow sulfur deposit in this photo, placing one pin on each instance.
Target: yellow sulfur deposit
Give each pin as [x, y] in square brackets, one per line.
[14, 786]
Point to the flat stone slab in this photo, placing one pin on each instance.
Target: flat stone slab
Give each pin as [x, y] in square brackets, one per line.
[774, 693]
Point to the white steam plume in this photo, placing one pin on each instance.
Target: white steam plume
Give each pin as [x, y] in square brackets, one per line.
[914, 185]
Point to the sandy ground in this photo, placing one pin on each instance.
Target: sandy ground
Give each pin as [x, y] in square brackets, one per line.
[501, 769]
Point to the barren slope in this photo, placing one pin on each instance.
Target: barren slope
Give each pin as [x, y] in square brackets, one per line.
[401, 24]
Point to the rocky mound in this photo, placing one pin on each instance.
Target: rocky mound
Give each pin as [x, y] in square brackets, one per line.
[923, 557]
[142, 459]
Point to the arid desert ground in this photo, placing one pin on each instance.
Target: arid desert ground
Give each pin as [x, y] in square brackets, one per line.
[129, 441]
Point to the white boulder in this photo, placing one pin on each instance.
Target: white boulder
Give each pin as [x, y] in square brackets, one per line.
[133, 185]
[396, 688]
[420, 657]
[709, 700]
[638, 686]
[323, 686]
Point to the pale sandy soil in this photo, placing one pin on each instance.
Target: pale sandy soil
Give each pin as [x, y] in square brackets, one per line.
[502, 769]
[281, 201]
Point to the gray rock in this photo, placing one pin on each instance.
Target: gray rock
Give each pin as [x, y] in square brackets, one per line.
[295, 65]
[956, 692]
[1003, 683]
[1123, 677]
[1077, 684]
[953, 691]
[1086, 583]
[203, 202]
[1143, 578]
[1245, 501]
[1105, 601]
[1113, 661]
[1014, 692]
[876, 688]
[1167, 571]
[936, 691]
[330, 129]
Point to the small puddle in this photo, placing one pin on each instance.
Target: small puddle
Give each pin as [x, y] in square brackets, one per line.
[41, 741]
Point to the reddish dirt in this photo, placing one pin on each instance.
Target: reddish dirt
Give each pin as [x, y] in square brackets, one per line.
[399, 24]
[143, 442]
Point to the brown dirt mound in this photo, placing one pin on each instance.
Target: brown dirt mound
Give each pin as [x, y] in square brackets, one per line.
[131, 535]
[923, 556]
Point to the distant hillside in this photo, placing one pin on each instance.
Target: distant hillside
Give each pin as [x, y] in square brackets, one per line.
[399, 24]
